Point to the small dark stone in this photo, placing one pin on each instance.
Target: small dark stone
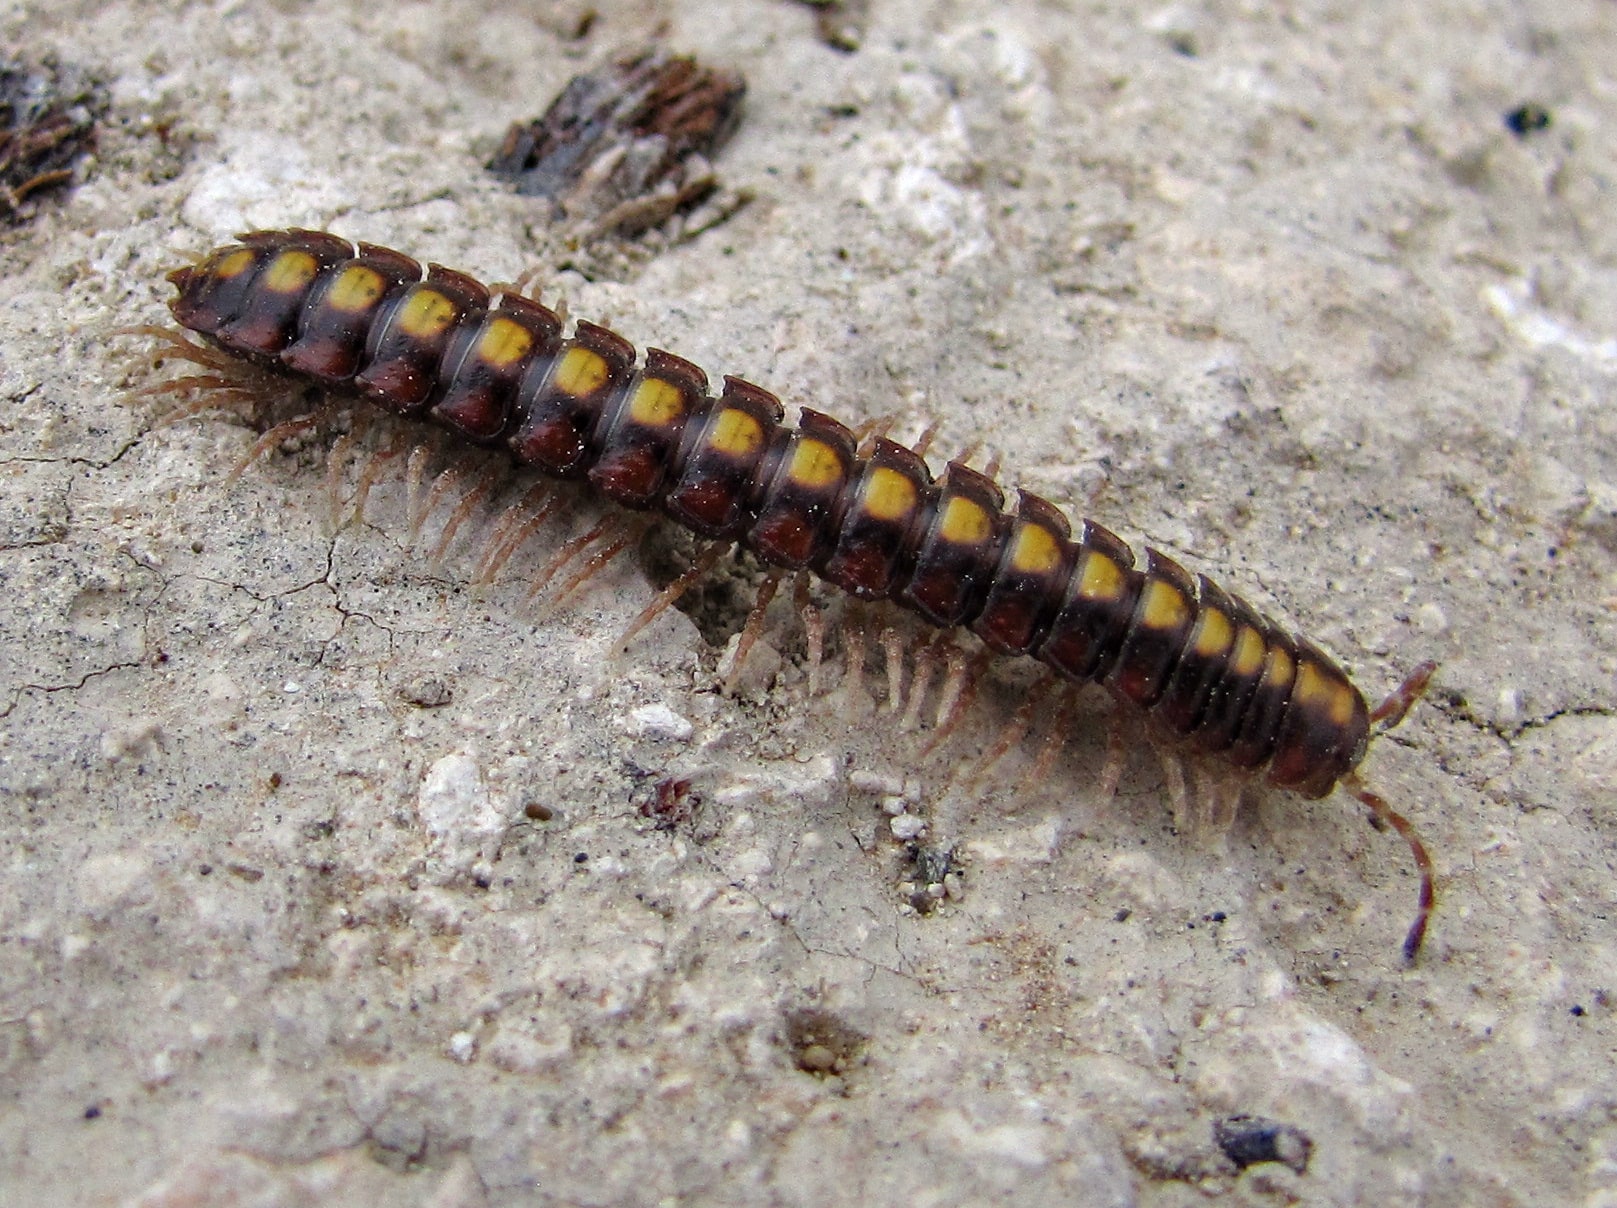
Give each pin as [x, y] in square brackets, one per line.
[1527, 118]
[1249, 1140]
[427, 693]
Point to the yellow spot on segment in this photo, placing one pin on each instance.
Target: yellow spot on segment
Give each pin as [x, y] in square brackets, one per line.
[1163, 606]
[1213, 635]
[736, 434]
[964, 522]
[504, 343]
[1100, 578]
[1246, 660]
[1279, 671]
[356, 289]
[581, 372]
[1036, 552]
[232, 264]
[290, 272]
[888, 494]
[656, 403]
[814, 464]
[426, 314]
[1318, 691]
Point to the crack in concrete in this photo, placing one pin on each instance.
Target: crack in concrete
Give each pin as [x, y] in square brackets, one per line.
[51, 689]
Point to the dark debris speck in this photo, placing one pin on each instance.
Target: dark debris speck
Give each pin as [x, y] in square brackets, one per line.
[48, 117]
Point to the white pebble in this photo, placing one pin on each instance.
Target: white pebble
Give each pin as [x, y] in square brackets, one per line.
[659, 721]
[906, 827]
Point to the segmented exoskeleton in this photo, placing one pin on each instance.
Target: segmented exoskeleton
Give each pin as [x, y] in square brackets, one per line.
[499, 369]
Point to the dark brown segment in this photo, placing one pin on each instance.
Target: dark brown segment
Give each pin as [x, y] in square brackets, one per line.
[1027, 589]
[1201, 663]
[561, 403]
[886, 506]
[722, 459]
[341, 310]
[1096, 610]
[1163, 618]
[1260, 728]
[478, 400]
[1325, 730]
[641, 434]
[404, 356]
[1237, 679]
[955, 565]
[797, 506]
[266, 322]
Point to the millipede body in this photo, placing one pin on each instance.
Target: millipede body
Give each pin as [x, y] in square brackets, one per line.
[498, 369]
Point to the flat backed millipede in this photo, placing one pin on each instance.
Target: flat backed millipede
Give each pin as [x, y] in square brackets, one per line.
[497, 369]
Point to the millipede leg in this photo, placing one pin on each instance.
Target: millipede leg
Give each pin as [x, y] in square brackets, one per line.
[516, 524]
[923, 442]
[853, 645]
[1013, 732]
[867, 433]
[268, 441]
[1380, 810]
[1391, 711]
[814, 636]
[481, 490]
[1052, 744]
[1179, 804]
[415, 470]
[336, 459]
[368, 478]
[525, 279]
[920, 681]
[1111, 773]
[191, 381]
[1224, 800]
[751, 630]
[219, 399]
[958, 695]
[956, 683]
[627, 533]
[179, 347]
[955, 666]
[670, 595]
[568, 551]
[892, 644]
[448, 480]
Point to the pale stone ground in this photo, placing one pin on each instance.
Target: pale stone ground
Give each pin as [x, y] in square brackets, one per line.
[1276, 291]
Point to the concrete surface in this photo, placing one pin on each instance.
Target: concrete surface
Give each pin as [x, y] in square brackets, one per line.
[328, 879]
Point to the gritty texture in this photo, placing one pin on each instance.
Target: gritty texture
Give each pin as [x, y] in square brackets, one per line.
[325, 877]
